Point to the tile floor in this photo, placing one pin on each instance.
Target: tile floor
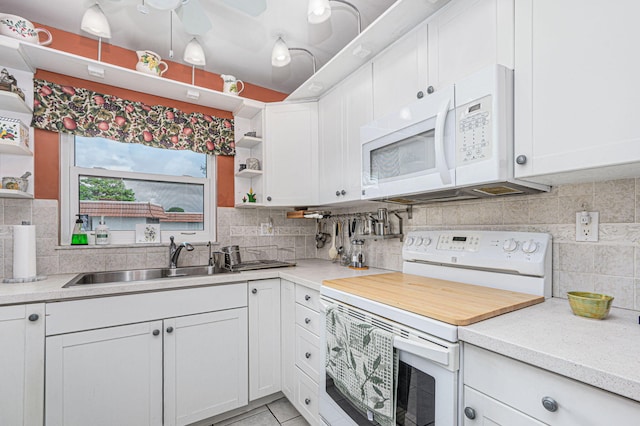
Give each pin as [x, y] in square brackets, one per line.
[279, 412]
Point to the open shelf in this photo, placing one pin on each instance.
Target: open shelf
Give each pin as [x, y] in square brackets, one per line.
[248, 142]
[6, 148]
[248, 205]
[12, 56]
[13, 193]
[10, 101]
[247, 173]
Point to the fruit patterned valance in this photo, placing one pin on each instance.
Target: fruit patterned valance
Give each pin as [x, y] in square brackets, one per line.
[83, 112]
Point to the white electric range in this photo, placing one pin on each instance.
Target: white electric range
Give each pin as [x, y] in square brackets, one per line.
[428, 386]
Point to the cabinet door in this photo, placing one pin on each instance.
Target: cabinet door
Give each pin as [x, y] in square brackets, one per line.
[205, 365]
[291, 149]
[467, 35]
[330, 145]
[264, 338]
[399, 72]
[487, 411]
[576, 88]
[105, 377]
[22, 365]
[287, 334]
[358, 110]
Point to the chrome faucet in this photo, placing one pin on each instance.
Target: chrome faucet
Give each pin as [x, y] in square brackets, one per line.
[174, 252]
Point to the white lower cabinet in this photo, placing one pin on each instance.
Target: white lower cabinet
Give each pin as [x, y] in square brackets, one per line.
[502, 391]
[264, 338]
[21, 364]
[301, 348]
[185, 366]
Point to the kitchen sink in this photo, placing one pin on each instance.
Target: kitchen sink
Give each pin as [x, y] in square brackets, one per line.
[143, 275]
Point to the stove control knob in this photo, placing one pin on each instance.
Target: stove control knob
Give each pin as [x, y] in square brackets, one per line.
[419, 241]
[529, 246]
[426, 241]
[510, 245]
[410, 241]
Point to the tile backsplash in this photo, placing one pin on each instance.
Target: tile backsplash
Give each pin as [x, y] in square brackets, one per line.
[611, 265]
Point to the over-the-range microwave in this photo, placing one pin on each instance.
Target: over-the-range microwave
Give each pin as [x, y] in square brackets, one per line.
[456, 143]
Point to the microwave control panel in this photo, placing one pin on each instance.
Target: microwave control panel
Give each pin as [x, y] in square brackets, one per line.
[473, 131]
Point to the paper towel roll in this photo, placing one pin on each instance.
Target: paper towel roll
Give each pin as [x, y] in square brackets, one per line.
[24, 251]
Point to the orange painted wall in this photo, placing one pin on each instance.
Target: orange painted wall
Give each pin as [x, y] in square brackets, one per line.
[47, 172]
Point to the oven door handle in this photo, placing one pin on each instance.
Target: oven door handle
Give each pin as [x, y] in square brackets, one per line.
[426, 350]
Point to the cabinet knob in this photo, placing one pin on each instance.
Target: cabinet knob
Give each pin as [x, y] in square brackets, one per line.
[307, 297]
[307, 401]
[169, 329]
[549, 404]
[269, 198]
[430, 89]
[470, 413]
[156, 332]
[343, 192]
[337, 193]
[34, 317]
[307, 320]
[521, 159]
[420, 94]
[254, 291]
[307, 355]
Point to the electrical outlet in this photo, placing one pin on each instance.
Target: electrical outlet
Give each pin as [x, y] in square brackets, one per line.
[587, 226]
[266, 229]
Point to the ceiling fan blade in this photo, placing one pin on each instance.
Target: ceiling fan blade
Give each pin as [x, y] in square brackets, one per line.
[193, 17]
[250, 7]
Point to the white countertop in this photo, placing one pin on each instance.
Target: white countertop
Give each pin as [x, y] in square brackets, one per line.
[307, 272]
[603, 353]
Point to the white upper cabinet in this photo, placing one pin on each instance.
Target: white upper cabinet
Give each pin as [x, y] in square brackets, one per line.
[576, 90]
[400, 72]
[291, 148]
[468, 35]
[341, 113]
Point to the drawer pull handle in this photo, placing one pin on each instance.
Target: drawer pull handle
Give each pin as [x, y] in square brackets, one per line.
[156, 332]
[307, 355]
[549, 404]
[254, 291]
[34, 317]
[307, 401]
[307, 297]
[169, 329]
[470, 413]
[307, 320]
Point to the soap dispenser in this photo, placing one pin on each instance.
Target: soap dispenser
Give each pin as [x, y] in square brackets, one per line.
[79, 237]
[102, 232]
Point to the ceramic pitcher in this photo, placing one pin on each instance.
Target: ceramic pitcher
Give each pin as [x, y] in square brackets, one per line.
[150, 63]
[231, 85]
[21, 29]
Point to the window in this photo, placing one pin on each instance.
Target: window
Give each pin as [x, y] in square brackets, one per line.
[131, 184]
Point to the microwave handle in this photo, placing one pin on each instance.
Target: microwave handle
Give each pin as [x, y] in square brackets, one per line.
[441, 161]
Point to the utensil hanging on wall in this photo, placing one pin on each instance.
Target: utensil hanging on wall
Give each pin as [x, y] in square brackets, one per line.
[333, 251]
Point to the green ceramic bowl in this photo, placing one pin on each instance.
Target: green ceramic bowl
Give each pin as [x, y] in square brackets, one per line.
[590, 305]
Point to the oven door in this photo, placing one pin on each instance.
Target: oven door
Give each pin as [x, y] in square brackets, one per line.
[410, 151]
[427, 392]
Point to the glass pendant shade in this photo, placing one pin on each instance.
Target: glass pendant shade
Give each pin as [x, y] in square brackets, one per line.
[280, 55]
[318, 11]
[95, 23]
[194, 54]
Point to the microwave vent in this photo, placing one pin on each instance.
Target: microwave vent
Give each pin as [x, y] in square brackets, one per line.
[498, 190]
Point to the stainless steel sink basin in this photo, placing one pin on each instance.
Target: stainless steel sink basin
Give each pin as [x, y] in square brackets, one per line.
[143, 275]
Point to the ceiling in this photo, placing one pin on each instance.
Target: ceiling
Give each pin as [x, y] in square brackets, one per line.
[238, 43]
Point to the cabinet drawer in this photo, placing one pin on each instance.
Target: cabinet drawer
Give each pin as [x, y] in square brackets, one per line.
[308, 353]
[77, 315]
[523, 386]
[308, 319]
[308, 297]
[307, 397]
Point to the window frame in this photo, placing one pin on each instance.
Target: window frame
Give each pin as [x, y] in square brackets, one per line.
[69, 194]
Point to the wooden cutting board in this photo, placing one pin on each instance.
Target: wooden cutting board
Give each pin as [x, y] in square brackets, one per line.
[451, 302]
